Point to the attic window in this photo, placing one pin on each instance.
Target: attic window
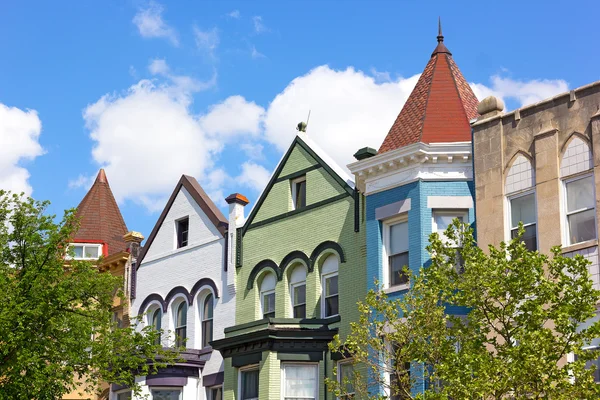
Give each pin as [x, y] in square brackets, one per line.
[299, 192]
[182, 228]
[86, 251]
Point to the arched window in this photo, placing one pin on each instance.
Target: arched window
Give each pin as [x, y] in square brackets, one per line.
[207, 320]
[155, 322]
[181, 324]
[520, 195]
[267, 295]
[329, 285]
[579, 192]
[298, 291]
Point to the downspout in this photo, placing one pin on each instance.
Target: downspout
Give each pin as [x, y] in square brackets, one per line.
[324, 374]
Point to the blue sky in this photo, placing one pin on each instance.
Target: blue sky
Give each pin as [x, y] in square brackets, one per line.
[214, 89]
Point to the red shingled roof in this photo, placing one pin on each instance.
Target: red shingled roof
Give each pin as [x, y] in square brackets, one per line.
[439, 107]
[100, 219]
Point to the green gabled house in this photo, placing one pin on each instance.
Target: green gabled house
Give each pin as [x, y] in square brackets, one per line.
[299, 262]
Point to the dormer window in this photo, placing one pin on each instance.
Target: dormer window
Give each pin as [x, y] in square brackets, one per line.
[299, 192]
[88, 251]
[182, 229]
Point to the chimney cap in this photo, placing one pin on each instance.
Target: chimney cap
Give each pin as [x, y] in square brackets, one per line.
[365, 152]
[237, 198]
[133, 236]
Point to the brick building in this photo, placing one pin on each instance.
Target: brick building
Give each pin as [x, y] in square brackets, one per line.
[419, 180]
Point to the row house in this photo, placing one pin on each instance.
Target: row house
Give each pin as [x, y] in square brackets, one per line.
[299, 272]
[419, 180]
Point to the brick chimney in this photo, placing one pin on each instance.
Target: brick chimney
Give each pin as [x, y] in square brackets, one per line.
[236, 202]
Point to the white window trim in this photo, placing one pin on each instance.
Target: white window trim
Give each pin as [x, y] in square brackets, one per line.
[175, 233]
[508, 220]
[209, 389]
[245, 369]
[448, 212]
[292, 286]
[293, 183]
[262, 298]
[340, 363]
[564, 214]
[202, 316]
[303, 364]
[117, 393]
[153, 388]
[84, 245]
[323, 288]
[385, 263]
[174, 307]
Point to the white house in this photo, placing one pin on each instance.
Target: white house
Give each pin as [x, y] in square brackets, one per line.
[184, 285]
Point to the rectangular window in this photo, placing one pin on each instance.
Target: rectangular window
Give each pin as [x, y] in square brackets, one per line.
[299, 192]
[124, 395]
[249, 384]
[215, 393]
[580, 209]
[86, 251]
[330, 282]
[268, 304]
[182, 227]
[166, 394]
[399, 375]
[346, 378]
[522, 209]
[300, 381]
[299, 300]
[397, 252]
[441, 222]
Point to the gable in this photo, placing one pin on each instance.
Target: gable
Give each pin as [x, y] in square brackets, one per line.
[322, 184]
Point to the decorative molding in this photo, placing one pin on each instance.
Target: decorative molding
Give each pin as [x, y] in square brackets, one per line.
[149, 299]
[391, 210]
[294, 256]
[419, 161]
[202, 283]
[259, 267]
[179, 290]
[321, 248]
[450, 202]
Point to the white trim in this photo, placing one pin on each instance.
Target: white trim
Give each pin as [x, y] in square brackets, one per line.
[508, 216]
[84, 245]
[385, 255]
[346, 361]
[300, 364]
[448, 212]
[392, 210]
[155, 388]
[293, 184]
[450, 202]
[181, 250]
[175, 226]
[246, 368]
[263, 293]
[564, 204]
[292, 287]
[323, 297]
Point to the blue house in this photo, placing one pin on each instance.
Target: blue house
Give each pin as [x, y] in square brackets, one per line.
[421, 178]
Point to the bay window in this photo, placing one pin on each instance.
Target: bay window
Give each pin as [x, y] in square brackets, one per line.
[396, 247]
[300, 381]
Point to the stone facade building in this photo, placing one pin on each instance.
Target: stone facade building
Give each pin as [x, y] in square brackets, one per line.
[299, 272]
[181, 286]
[419, 181]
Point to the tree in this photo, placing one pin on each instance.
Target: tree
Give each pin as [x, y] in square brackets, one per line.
[56, 322]
[522, 316]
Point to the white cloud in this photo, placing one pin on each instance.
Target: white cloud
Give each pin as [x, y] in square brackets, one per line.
[349, 110]
[234, 116]
[524, 92]
[254, 151]
[207, 41]
[259, 26]
[19, 141]
[254, 176]
[235, 14]
[159, 67]
[255, 53]
[180, 86]
[150, 23]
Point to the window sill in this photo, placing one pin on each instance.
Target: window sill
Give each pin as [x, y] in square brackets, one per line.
[397, 288]
[580, 246]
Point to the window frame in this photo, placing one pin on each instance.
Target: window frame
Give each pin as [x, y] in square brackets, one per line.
[124, 391]
[241, 371]
[385, 253]
[340, 365]
[264, 293]
[509, 198]
[210, 389]
[158, 388]
[99, 246]
[204, 322]
[179, 340]
[179, 233]
[151, 315]
[294, 187]
[565, 213]
[324, 296]
[302, 364]
[292, 287]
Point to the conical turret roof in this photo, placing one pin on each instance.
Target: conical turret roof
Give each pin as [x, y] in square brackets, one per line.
[438, 109]
[100, 219]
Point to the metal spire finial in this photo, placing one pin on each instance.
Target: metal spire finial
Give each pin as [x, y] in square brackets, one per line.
[440, 37]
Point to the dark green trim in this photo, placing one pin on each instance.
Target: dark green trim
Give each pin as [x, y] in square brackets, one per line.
[246, 359]
[338, 355]
[263, 196]
[356, 211]
[259, 267]
[239, 247]
[305, 356]
[328, 245]
[365, 152]
[294, 212]
[297, 174]
[282, 321]
[293, 256]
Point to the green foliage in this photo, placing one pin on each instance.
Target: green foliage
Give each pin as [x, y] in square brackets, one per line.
[525, 315]
[56, 326]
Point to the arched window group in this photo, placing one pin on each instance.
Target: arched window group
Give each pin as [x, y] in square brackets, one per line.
[298, 291]
[207, 320]
[267, 295]
[181, 324]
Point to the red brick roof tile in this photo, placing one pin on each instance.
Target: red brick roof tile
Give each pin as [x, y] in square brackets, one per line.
[100, 219]
[438, 109]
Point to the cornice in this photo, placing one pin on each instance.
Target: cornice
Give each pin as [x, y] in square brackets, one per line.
[419, 161]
